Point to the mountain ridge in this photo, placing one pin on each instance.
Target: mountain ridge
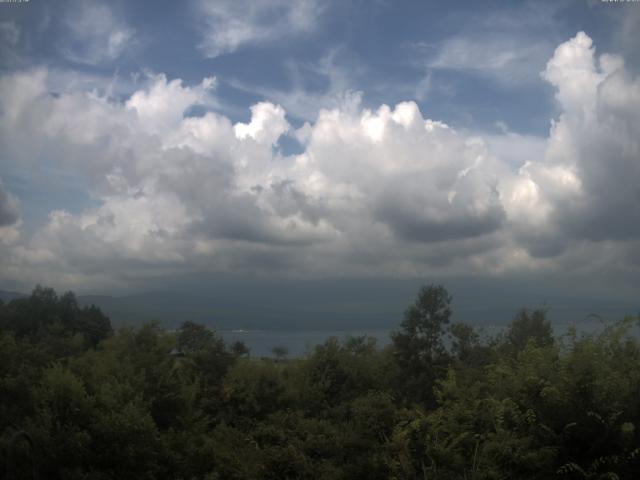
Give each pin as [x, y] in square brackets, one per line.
[228, 308]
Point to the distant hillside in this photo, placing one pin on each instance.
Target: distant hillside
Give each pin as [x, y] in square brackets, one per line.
[335, 306]
[223, 311]
[7, 296]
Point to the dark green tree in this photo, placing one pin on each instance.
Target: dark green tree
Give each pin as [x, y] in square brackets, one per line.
[208, 360]
[280, 352]
[529, 326]
[93, 324]
[240, 349]
[419, 347]
[193, 337]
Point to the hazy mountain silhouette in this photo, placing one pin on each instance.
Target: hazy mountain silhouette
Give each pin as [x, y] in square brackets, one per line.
[332, 305]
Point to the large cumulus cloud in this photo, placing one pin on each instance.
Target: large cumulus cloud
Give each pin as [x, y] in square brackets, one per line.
[586, 186]
[372, 192]
[417, 177]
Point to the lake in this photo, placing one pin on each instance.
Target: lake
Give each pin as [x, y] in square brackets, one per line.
[301, 342]
[260, 342]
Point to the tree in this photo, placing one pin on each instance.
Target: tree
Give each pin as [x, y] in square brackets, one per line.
[45, 314]
[193, 336]
[208, 360]
[94, 324]
[529, 326]
[280, 352]
[419, 349]
[240, 349]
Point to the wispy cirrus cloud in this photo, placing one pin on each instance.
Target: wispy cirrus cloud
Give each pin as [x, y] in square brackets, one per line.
[304, 102]
[507, 60]
[509, 46]
[95, 33]
[10, 34]
[230, 24]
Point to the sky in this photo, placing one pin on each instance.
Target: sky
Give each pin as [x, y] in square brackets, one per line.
[160, 145]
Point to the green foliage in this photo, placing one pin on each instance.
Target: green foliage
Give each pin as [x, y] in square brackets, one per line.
[528, 326]
[147, 403]
[419, 346]
[252, 391]
[44, 315]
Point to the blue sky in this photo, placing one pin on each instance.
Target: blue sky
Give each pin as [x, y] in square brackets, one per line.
[146, 142]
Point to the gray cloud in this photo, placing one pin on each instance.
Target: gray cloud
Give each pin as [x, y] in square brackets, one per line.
[9, 213]
[454, 208]
[290, 200]
[411, 223]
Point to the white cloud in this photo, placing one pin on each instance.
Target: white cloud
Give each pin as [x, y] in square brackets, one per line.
[373, 192]
[163, 106]
[266, 126]
[443, 194]
[229, 25]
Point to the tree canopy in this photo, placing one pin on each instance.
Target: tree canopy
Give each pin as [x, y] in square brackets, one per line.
[441, 401]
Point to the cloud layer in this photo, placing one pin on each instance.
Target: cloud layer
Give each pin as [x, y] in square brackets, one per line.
[372, 192]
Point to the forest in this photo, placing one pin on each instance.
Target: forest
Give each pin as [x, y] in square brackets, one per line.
[80, 399]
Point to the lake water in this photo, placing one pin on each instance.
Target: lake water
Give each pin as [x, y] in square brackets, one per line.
[300, 342]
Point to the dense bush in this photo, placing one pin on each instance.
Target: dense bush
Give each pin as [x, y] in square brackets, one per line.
[148, 403]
